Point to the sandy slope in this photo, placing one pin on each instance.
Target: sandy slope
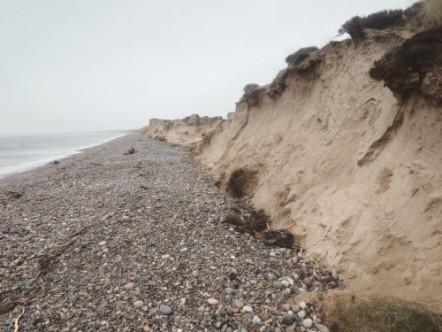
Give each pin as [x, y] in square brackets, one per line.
[359, 172]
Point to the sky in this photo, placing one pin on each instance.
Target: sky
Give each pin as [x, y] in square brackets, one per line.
[81, 65]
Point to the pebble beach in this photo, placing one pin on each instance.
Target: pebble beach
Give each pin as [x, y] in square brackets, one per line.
[111, 241]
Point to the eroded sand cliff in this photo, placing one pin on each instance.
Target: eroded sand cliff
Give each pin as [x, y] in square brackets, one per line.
[357, 168]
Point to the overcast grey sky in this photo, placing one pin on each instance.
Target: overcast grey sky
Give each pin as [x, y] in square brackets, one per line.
[107, 64]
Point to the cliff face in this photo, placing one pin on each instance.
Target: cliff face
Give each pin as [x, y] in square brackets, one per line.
[357, 168]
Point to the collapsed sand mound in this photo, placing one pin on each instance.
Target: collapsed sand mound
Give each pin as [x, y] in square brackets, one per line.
[189, 132]
[358, 170]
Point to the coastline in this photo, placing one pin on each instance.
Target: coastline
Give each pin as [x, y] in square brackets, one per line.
[6, 171]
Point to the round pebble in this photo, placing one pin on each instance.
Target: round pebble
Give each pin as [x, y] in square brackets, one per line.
[138, 304]
[301, 314]
[308, 323]
[288, 319]
[256, 320]
[277, 285]
[247, 308]
[212, 301]
[165, 309]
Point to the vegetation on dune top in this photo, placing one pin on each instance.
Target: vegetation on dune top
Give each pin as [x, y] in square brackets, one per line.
[300, 55]
[356, 26]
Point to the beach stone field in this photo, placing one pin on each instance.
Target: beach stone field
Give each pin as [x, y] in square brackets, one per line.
[114, 239]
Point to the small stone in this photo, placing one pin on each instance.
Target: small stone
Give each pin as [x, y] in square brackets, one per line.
[239, 304]
[212, 301]
[301, 314]
[285, 283]
[165, 256]
[322, 328]
[303, 305]
[277, 285]
[102, 243]
[272, 254]
[256, 320]
[295, 308]
[308, 323]
[77, 250]
[288, 319]
[290, 329]
[326, 278]
[308, 282]
[247, 308]
[129, 286]
[138, 304]
[229, 291]
[184, 250]
[165, 309]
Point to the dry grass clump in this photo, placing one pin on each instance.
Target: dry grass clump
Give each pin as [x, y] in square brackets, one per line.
[356, 26]
[241, 182]
[300, 55]
[432, 10]
[381, 315]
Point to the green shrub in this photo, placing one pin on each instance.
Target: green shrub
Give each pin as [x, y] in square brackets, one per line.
[300, 55]
[252, 95]
[250, 87]
[380, 20]
[354, 28]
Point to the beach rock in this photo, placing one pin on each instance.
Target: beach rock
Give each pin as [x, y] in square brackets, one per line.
[277, 285]
[322, 328]
[256, 320]
[247, 308]
[308, 282]
[165, 309]
[129, 286]
[212, 301]
[302, 314]
[308, 323]
[288, 319]
[138, 304]
[239, 304]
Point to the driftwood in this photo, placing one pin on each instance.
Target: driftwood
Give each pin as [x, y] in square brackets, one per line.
[130, 151]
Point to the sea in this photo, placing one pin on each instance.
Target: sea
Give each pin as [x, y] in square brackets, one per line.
[22, 152]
